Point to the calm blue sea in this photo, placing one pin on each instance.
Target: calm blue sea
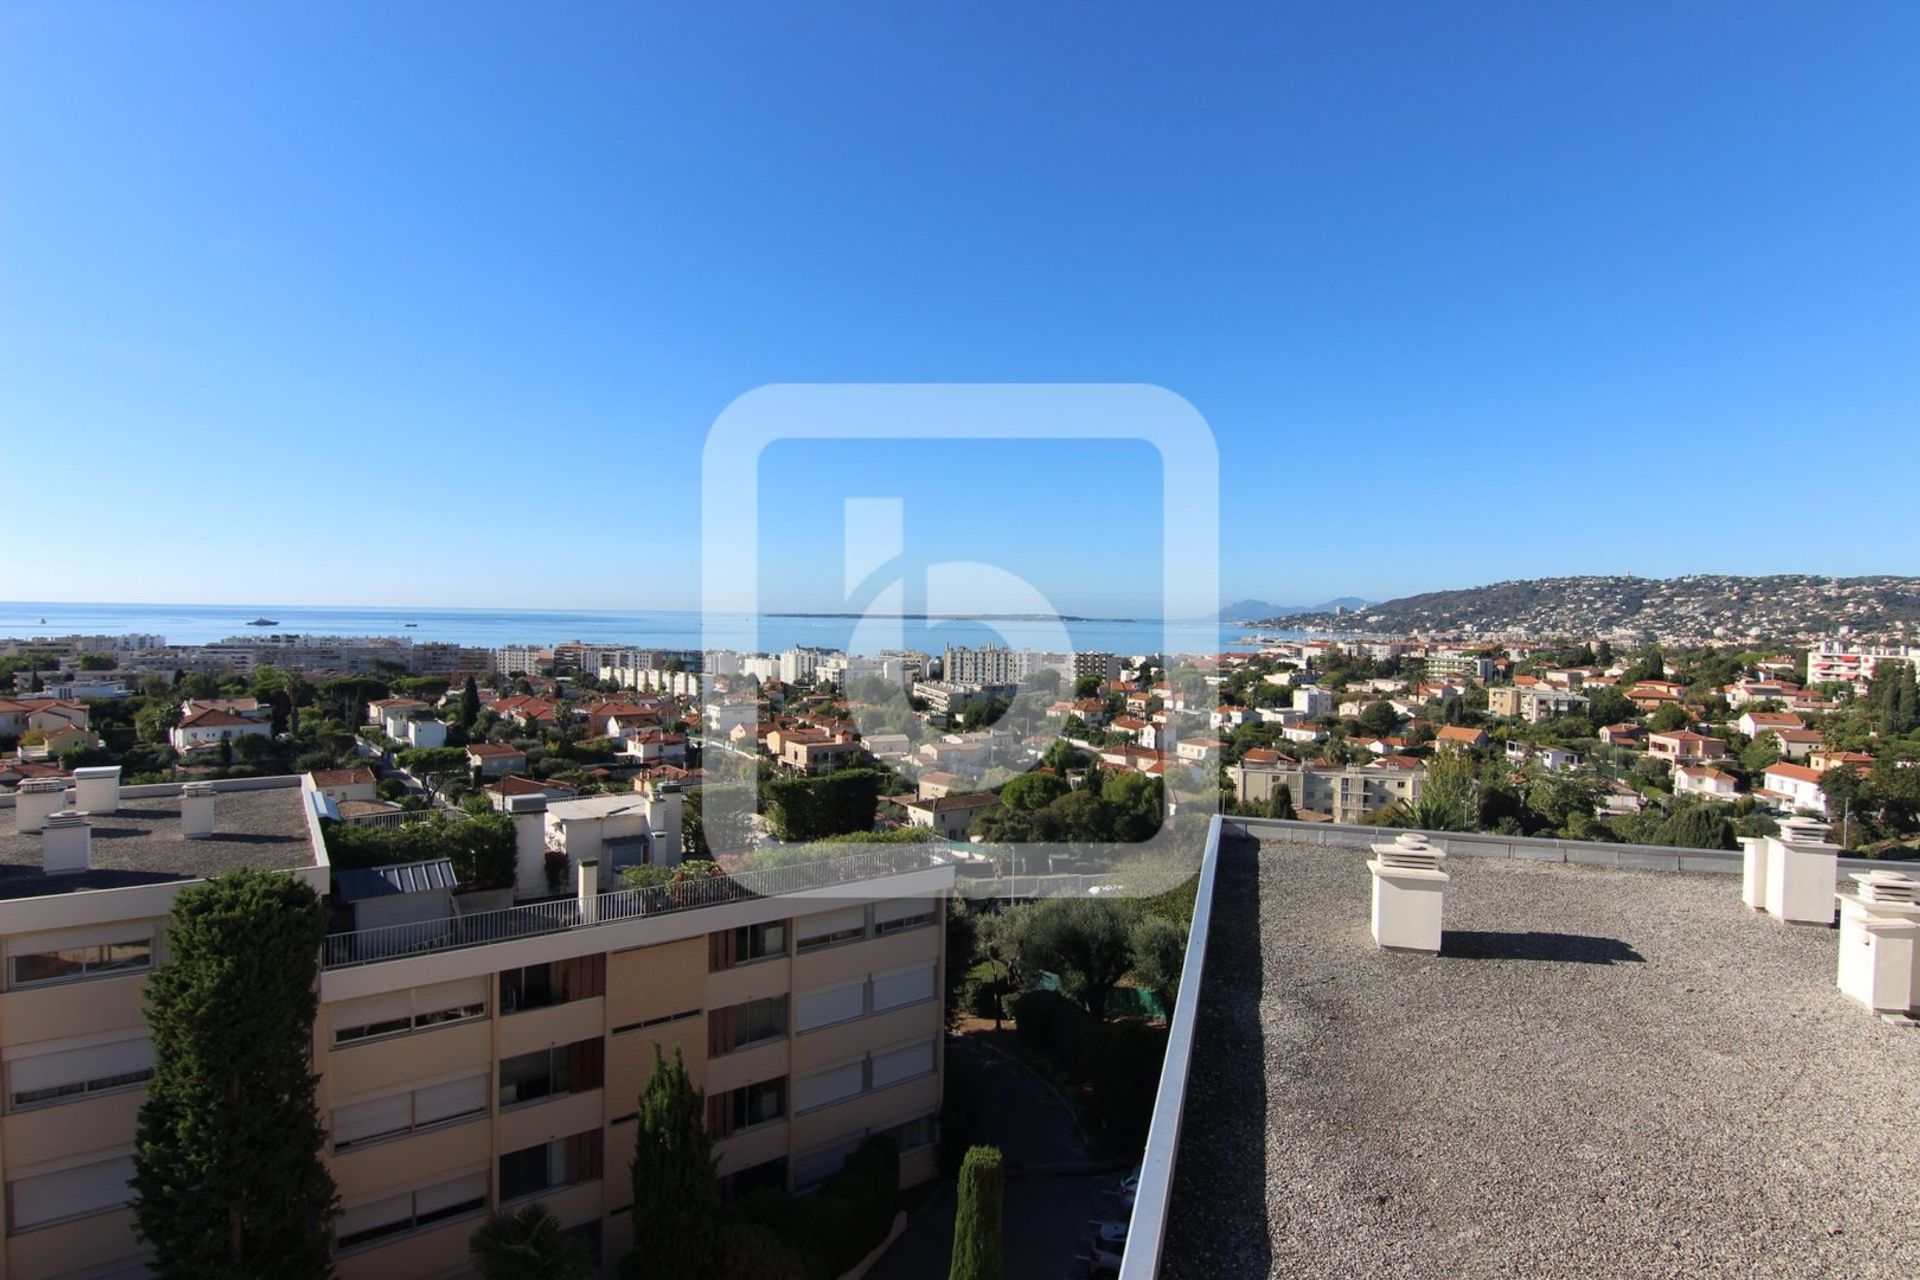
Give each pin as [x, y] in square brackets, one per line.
[666, 629]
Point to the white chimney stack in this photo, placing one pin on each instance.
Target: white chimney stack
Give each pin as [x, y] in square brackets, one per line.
[1880, 941]
[1409, 889]
[1753, 871]
[96, 789]
[35, 801]
[1801, 869]
[66, 844]
[196, 810]
[589, 891]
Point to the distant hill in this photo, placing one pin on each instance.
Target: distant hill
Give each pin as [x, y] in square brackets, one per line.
[1698, 607]
[1254, 610]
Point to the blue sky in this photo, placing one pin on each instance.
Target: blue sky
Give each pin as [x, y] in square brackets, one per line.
[434, 303]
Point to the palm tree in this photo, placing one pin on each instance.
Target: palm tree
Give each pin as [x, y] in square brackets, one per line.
[528, 1245]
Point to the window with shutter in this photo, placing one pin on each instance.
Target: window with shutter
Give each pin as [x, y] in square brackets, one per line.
[903, 987]
[437, 1104]
[904, 1063]
[36, 1200]
[368, 1121]
[829, 1005]
[902, 913]
[824, 1088]
[829, 927]
[77, 1071]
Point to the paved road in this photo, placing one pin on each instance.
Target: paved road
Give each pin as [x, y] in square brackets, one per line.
[1052, 1184]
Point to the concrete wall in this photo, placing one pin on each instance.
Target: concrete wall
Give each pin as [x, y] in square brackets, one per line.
[1532, 848]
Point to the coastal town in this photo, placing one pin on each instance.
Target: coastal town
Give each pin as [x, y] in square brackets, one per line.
[1557, 737]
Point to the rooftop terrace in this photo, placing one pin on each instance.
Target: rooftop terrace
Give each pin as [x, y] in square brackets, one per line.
[141, 842]
[1604, 1072]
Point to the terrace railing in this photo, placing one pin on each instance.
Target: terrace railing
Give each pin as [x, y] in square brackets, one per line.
[482, 928]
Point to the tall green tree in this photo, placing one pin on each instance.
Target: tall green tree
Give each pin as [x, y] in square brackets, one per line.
[1085, 940]
[1280, 803]
[528, 1244]
[1159, 951]
[676, 1196]
[978, 1253]
[469, 704]
[227, 1153]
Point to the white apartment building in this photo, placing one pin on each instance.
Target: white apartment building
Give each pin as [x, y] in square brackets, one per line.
[470, 1059]
[520, 659]
[992, 664]
[1833, 661]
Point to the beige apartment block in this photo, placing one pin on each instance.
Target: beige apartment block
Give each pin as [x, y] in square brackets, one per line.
[469, 1060]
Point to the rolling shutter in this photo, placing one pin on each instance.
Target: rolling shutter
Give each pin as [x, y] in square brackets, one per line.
[903, 1063]
[68, 1193]
[902, 987]
[43, 1071]
[829, 1005]
[387, 1008]
[898, 909]
[828, 923]
[829, 1086]
[443, 996]
[374, 1118]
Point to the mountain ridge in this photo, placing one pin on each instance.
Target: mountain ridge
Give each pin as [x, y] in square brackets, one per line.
[1696, 607]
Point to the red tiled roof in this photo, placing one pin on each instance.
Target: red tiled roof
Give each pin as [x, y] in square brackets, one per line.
[341, 777]
[211, 719]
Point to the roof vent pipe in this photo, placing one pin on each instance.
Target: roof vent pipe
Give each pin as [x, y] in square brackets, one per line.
[196, 811]
[1880, 941]
[1409, 890]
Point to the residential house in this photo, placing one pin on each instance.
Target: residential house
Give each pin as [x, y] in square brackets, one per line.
[208, 729]
[1623, 735]
[1200, 750]
[1345, 794]
[813, 750]
[950, 815]
[1552, 758]
[1797, 744]
[425, 731]
[344, 784]
[1684, 746]
[656, 746]
[501, 793]
[51, 746]
[1793, 787]
[1465, 737]
[1755, 723]
[251, 708]
[1704, 780]
[495, 759]
[1821, 760]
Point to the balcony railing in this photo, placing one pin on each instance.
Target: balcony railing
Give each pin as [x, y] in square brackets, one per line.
[482, 928]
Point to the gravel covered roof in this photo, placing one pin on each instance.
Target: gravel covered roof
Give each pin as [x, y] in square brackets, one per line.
[1604, 1073]
[141, 844]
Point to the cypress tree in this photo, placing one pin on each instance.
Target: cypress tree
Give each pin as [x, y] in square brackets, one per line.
[469, 704]
[1280, 803]
[977, 1251]
[227, 1158]
[676, 1196]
